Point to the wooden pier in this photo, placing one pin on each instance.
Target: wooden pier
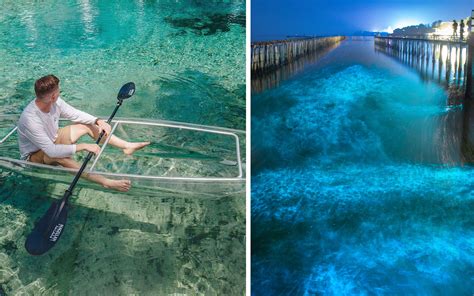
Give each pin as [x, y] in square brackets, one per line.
[443, 61]
[448, 62]
[269, 56]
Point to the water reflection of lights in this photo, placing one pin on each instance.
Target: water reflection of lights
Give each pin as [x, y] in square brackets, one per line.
[444, 52]
[454, 54]
[463, 55]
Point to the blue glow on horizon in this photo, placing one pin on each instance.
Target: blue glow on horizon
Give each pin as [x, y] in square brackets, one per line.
[279, 18]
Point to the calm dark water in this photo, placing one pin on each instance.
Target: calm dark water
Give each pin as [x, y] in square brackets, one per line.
[358, 187]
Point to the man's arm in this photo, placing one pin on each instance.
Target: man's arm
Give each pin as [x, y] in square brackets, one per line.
[71, 113]
[38, 136]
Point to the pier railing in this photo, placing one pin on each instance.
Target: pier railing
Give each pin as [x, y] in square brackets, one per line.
[433, 37]
[269, 56]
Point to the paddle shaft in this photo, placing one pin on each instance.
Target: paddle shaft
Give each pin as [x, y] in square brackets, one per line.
[68, 192]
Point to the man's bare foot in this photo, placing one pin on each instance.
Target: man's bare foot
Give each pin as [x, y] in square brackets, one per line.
[120, 185]
[132, 147]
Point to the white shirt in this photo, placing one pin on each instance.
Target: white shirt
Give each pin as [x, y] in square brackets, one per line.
[38, 130]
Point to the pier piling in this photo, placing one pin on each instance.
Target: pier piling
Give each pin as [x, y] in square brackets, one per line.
[275, 61]
[269, 56]
[448, 57]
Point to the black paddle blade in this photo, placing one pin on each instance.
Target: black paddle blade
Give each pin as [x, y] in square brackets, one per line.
[47, 231]
[126, 91]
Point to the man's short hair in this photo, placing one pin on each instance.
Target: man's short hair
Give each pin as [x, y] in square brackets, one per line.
[45, 85]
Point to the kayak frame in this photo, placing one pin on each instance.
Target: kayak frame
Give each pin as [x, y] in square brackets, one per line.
[159, 123]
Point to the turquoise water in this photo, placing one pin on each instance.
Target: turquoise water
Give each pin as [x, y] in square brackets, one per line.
[181, 55]
[187, 59]
[358, 182]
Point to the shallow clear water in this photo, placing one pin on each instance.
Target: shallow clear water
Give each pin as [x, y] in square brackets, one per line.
[358, 186]
[182, 55]
[187, 59]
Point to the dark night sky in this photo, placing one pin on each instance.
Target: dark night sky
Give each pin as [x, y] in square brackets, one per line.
[274, 19]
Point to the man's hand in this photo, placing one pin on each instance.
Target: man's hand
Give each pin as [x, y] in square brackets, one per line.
[94, 148]
[103, 126]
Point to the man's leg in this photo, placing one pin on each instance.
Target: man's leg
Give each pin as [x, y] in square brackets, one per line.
[64, 137]
[78, 130]
[120, 185]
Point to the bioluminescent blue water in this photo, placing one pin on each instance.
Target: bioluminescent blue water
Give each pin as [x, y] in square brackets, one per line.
[187, 59]
[358, 186]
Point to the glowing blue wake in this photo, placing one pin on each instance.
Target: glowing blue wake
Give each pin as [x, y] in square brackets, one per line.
[357, 187]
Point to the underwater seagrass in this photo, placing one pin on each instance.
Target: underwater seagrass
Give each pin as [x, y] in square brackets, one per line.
[208, 24]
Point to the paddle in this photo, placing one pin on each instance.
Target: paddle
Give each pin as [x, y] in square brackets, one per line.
[49, 228]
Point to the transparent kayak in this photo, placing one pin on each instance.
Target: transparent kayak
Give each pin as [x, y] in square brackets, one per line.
[181, 156]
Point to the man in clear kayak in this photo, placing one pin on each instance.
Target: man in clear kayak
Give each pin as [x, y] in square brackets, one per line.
[42, 141]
